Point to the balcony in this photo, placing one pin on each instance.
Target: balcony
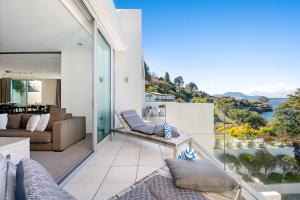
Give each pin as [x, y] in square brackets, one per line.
[116, 166]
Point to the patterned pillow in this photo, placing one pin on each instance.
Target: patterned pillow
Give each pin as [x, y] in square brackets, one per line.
[167, 131]
[37, 182]
[188, 154]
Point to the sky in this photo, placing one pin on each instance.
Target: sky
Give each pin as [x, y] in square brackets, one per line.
[249, 46]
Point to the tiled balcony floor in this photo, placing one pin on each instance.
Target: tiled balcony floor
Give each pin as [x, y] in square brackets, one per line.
[117, 165]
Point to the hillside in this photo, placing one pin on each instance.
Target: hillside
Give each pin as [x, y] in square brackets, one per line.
[239, 95]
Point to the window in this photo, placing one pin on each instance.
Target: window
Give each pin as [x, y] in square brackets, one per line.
[26, 92]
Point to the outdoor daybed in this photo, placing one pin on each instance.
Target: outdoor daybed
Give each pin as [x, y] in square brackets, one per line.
[173, 143]
[160, 185]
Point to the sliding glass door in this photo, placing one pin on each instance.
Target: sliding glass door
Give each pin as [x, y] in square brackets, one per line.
[104, 87]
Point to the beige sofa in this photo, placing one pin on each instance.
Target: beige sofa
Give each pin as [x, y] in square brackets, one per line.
[63, 130]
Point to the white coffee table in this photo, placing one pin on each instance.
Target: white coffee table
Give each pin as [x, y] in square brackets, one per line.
[15, 148]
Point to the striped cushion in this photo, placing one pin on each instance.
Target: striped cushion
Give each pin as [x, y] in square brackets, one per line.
[188, 154]
[167, 131]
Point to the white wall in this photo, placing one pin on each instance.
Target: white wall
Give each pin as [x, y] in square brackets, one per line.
[129, 63]
[49, 91]
[196, 119]
[76, 84]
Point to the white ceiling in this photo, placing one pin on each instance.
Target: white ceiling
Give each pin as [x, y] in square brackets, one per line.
[35, 25]
[30, 63]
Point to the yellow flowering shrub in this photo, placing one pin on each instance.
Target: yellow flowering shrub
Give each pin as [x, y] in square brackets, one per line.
[240, 131]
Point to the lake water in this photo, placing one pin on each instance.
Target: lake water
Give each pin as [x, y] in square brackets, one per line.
[274, 102]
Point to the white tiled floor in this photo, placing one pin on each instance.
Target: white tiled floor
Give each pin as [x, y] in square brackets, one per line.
[117, 165]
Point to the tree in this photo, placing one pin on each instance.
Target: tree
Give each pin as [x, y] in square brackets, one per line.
[288, 164]
[178, 81]
[251, 162]
[147, 72]
[232, 162]
[287, 116]
[167, 77]
[287, 121]
[199, 100]
[267, 160]
[293, 101]
[151, 88]
[191, 87]
[241, 116]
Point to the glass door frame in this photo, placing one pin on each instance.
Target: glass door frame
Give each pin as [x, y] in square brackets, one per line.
[95, 101]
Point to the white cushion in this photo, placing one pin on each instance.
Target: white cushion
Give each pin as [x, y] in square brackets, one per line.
[32, 123]
[3, 121]
[42, 125]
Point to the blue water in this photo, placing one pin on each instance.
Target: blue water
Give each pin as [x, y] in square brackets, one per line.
[274, 102]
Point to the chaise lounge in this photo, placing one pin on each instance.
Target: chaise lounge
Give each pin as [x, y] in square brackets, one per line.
[134, 126]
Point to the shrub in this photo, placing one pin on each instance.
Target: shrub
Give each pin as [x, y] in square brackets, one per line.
[291, 178]
[267, 160]
[268, 131]
[288, 164]
[274, 178]
[232, 162]
[251, 162]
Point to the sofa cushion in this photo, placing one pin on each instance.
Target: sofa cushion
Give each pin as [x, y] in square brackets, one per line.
[25, 118]
[146, 129]
[128, 113]
[56, 114]
[35, 137]
[132, 118]
[14, 121]
[200, 175]
[38, 184]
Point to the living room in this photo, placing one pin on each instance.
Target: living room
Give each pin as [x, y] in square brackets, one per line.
[46, 86]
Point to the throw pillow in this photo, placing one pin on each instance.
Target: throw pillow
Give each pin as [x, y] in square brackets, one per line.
[32, 123]
[188, 154]
[167, 131]
[14, 121]
[20, 188]
[201, 175]
[3, 121]
[42, 125]
[37, 183]
[159, 131]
